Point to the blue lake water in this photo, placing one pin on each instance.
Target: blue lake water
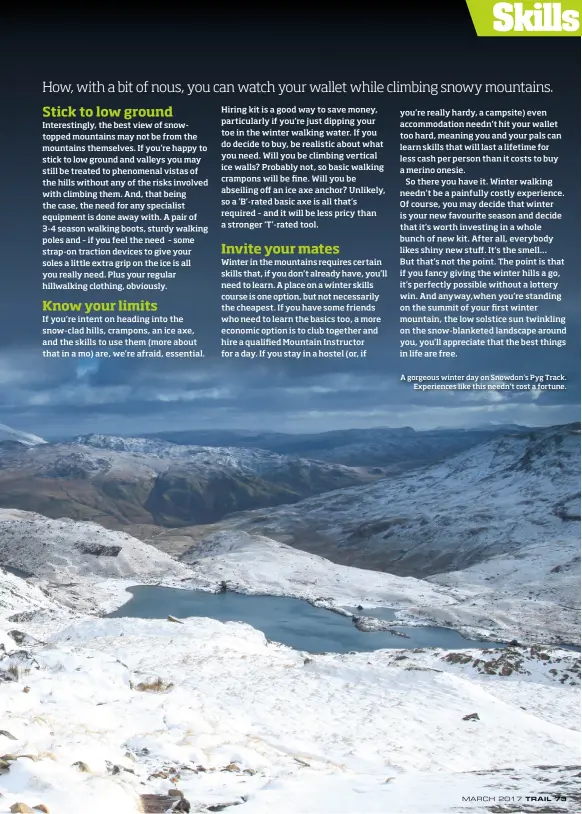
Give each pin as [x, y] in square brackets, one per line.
[293, 622]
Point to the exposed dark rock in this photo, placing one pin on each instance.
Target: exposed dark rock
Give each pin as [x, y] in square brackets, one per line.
[81, 766]
[99, 550]
[458, 658]
[232, 767]
[23, 638]
[115, 768]
[472, 717]
[161, 803]
[568, 509]
[156, 803]
[154, 685]
[23, 616]
[7, 735]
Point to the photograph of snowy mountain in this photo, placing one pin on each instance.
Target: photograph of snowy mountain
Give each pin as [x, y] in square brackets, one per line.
[347, 622]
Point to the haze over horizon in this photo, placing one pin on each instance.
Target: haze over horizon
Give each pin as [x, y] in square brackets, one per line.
[58, 436]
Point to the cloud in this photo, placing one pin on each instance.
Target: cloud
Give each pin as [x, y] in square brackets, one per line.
[58, 397]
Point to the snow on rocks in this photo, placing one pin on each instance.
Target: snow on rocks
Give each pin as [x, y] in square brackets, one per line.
[117, 713]
[72, 569]
[210, 460]
[63, 550]
[537, 589]
[19, 596]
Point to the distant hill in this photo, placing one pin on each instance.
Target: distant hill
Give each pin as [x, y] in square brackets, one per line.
[114, 481]
[400, 448]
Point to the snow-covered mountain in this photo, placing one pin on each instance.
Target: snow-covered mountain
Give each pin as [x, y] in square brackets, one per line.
[131, 715]
[134, 715]
[494, 499]
[115, 481]
[17, 595]
[81, 567]
[400, 448]
[251, 563]
[85, 566]
[534, 590]
[217, 460]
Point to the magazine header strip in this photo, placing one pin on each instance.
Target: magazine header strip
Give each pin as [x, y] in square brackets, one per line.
[525, 19]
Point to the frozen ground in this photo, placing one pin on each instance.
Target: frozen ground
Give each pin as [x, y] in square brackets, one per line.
[98, 713]
[111, 709]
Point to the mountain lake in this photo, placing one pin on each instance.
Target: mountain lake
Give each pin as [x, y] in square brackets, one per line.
[290, 621]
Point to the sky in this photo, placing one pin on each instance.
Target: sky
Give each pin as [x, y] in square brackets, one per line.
[59, 397]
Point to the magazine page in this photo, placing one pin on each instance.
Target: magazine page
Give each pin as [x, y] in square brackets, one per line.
[290, 403]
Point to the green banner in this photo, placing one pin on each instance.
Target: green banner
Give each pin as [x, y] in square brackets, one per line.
[526, 19]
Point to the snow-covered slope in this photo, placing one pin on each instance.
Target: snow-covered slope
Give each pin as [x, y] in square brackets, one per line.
[542, 579]
[116, 708]
[256, 564]
[18, 596]
[112, 714]
[63, 550]
[207, 458]
[494, 499]
[533, 596]
[208, 461]
[28, 602]
[9, 434]
[80, 567]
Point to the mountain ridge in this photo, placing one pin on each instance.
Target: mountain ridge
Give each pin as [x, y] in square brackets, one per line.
[116, 481]
[486, 501]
